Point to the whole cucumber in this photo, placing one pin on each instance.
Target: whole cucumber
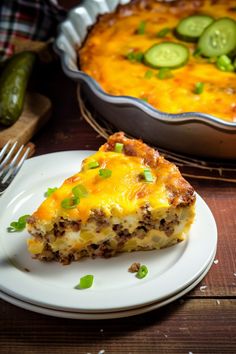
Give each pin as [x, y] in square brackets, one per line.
[13, 82]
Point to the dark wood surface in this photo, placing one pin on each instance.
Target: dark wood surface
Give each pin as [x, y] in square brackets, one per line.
[201, 322]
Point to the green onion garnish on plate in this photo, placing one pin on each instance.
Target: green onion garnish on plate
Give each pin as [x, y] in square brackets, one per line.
[80, 191]
[142, 272]
[18, 225]
[105, 173]
[50, 191]
[70, 203]
[148, 175]
[93, 164]
[85, 282]
[119, 147]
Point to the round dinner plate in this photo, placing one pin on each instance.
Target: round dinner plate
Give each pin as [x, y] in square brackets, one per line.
[51, 285]
[105, 315]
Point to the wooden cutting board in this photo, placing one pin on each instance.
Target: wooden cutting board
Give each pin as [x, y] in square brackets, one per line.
[37, 110]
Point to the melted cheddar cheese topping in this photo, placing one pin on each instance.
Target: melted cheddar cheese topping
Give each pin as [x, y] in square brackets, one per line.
[104, 57]
[123, 193]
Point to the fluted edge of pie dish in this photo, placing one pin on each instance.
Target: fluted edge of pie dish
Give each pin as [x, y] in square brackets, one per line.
[71, 34]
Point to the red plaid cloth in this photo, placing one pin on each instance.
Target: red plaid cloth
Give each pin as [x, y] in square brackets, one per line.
[27, 19]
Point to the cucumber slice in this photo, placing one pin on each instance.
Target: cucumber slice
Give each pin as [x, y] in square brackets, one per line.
[219, 38]
[190, 28]
[166, 55]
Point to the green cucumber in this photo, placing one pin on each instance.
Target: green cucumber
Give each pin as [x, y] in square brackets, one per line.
[13, 83]
[219, 38]
[190, 28]
[166, 55]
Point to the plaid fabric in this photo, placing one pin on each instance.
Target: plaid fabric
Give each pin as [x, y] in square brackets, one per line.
[27, 19]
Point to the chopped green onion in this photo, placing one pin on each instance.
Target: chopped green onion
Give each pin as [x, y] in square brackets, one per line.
[80, 191]
[148, 74]
[197, 52]
[142, 272]
[139, 56]
[93, 164]
[18, 225]
[70, 203]
[224, 63]
[142, 27]
[85, 282]
[50, 191]
[145, 99]
[163, 32]
[105, 173]
[223, 60]
[148, 175]
[131, 56]
[230, 68]
[119, 147]
[164, 73]
[212, 60]
[198, 89]
[135, 56]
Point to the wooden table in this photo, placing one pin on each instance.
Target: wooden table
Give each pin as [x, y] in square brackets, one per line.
[201, 322]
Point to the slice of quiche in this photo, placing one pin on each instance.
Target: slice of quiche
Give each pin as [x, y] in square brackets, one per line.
[125, 198]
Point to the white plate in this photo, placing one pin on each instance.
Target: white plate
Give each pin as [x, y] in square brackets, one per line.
[52, 285]
[107, 315]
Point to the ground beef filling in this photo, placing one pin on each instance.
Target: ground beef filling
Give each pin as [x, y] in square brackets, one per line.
[63, 225]
[105, 249]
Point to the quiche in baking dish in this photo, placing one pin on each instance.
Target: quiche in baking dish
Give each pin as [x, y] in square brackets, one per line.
[178, 56]
[125, 198]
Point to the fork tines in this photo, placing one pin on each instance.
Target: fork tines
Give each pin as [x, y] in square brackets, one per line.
[11, 160]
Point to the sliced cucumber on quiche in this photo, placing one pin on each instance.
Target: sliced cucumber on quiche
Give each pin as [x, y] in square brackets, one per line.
[190, 28]
[218, 38]
[166, 55]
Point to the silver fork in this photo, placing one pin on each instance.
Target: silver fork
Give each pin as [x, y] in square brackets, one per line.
[11, 160]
